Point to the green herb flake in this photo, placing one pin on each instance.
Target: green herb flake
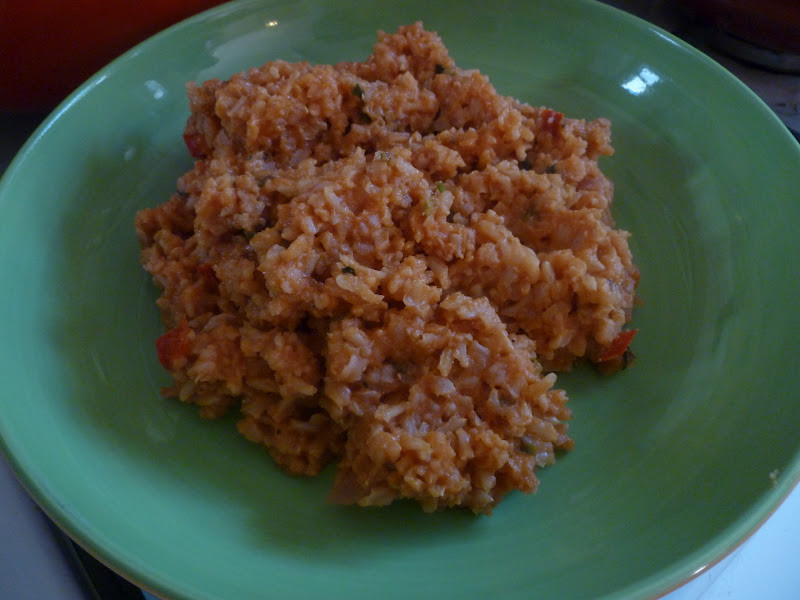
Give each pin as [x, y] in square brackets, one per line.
[551, 169]
[400, 367]
[348, 270]
[628, 358]
[384, 156]
[358, 91]
[527, 445]
[440, 186]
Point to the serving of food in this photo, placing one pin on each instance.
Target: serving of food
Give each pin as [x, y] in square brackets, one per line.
[382, 263]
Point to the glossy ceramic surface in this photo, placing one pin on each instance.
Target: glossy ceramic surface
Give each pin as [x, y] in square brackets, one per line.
[676, 459]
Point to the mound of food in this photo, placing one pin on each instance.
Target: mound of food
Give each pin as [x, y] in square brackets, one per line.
[380, 263]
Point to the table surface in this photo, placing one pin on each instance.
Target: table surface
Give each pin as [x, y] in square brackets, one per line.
[35, 565]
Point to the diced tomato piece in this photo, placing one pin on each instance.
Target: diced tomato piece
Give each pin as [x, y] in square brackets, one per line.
[618, 346]
[207, 271]
[196, 144]
[552, 120]
[174, 346]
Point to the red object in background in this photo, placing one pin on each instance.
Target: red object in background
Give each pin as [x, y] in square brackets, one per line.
[771, 24]
[48, 48]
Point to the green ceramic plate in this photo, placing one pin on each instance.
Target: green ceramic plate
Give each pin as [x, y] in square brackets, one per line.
[676, 460]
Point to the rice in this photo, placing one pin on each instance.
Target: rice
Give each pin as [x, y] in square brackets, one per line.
[380, 264]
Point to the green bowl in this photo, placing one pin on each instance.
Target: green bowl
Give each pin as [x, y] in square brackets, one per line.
[676, 460]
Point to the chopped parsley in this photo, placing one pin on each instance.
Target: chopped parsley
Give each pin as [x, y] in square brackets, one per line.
[527, 445]
[348, 270]
[400, 366]
[440, 186]
[628, 358]
[358, 91]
